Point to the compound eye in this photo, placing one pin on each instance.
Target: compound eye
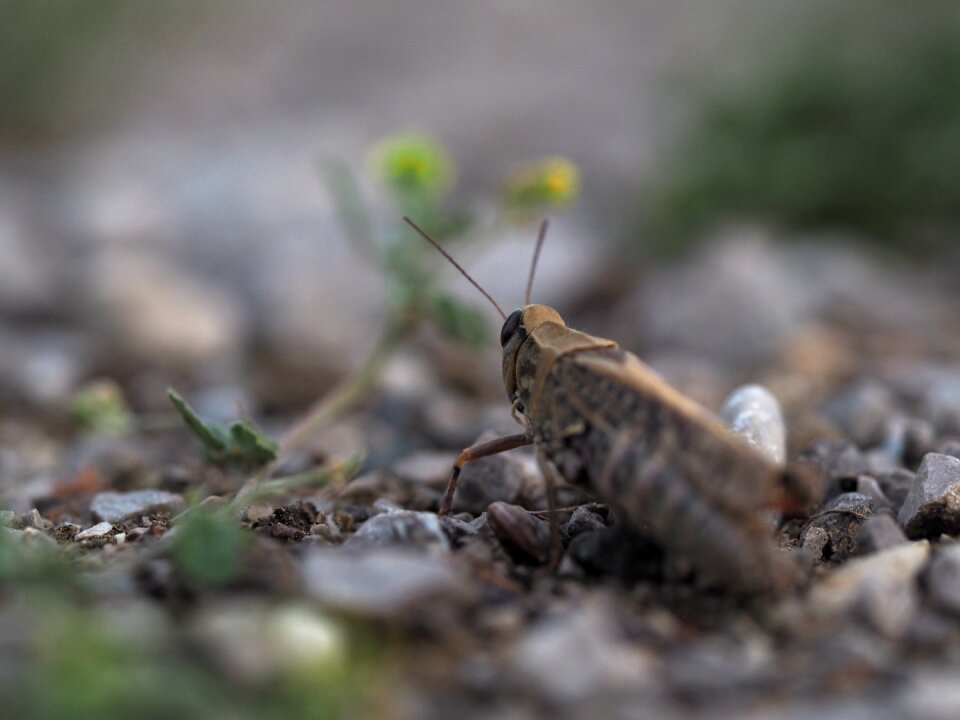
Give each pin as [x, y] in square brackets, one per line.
[510, 327]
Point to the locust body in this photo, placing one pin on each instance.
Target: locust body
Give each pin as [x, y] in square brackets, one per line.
[668, 466]
[605, 421]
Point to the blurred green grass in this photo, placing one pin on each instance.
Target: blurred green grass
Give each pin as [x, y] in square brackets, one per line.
[856, 128]
[64, 63]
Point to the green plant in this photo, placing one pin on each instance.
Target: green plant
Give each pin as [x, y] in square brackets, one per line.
[417, 174]
[208, 546]
[99, 408]
[857, 130]
[240, 443]
[64, 64]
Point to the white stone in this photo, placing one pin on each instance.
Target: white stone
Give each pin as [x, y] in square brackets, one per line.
[98, 530]
[753, 414]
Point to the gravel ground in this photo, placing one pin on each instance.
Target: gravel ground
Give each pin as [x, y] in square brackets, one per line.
[354, 580]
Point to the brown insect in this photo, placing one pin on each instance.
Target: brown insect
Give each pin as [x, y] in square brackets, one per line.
[603, 420]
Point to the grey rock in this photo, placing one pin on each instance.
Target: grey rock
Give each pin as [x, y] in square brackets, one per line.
[933, 505]
[861, 411]
[880, 461]
[867, 485]
[113, 506]
[880, 589]
[908, 439]
[942, 401]
[581, 520]
[943, 578]
[896, 485]
[840, 519]
[931, 695]
[717, 666]
[580, 655]
[379, 582]
[35, 520]
[838, 463]
[160, 311]
[525, 536]
[617, 552]
[98, 530]
[42, 367]
[457, 529]
[879, 532]
[425, 467]
[497, 478]
[10, 519]
[30, 538]
[814, 541]
[401, 529]
[25, 279]
[950, 447]
[733, 303]
[753, 414]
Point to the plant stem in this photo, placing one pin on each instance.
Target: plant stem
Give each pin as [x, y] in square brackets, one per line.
[349, 392]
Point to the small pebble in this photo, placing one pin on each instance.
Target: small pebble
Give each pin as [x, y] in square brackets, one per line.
[113, 507]
[456, 528]
[943, 578]
[860, 411]
[581, 655]
[98, 530]
[869, 486]
[933, 505]
[617, 552]
[880, 461]
[950, 447]
[36, 521]
[581, 520]
[257, 511]
[880, 588]
[525, 536]
[497, 478]
[814, 542]
[837, 462]
[840, 519]
[896, 485]
[908, 439]
[877, 533]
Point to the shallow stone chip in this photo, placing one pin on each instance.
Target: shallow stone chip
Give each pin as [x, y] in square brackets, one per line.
[113, 506]
[98, 530]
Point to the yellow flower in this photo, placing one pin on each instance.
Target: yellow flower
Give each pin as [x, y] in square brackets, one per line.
[554, 182]
[413, 164]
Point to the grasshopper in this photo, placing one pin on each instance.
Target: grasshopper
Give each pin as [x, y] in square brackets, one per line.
[602, 420]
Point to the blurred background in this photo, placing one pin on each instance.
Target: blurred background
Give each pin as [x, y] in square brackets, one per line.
[174, 178]
[208, 194]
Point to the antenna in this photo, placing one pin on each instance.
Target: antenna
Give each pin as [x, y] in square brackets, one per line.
[541, 236]
[453, 262]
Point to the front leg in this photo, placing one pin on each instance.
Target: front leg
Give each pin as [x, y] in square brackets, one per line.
[475, 452]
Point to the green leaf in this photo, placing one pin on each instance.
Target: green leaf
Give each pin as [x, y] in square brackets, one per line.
[242, 443]
[210, 437]
[208, 547]
[250, 445]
